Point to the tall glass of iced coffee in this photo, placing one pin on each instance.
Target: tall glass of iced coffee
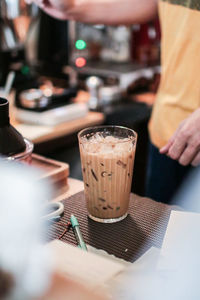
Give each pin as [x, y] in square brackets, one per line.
[107, 159]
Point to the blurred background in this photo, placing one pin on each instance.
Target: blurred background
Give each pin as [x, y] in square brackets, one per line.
[113, 70]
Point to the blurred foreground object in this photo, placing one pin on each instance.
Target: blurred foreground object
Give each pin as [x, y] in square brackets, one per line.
[26, 266]
[23, 261]
[63, 288]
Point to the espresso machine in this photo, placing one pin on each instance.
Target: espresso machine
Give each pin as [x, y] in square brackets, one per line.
[114, 54]
[35, 47]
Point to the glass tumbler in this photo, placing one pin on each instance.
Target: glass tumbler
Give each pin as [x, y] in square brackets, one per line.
[107, 159]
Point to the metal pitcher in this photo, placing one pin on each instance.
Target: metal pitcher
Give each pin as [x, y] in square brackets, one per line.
[15, 19]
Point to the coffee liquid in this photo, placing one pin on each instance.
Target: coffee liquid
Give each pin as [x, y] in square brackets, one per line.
[107, 167]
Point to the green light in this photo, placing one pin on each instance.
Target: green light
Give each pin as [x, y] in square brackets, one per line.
[80, 44]
[25, 70]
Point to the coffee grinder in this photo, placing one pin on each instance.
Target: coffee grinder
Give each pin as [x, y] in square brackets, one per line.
[15, 20]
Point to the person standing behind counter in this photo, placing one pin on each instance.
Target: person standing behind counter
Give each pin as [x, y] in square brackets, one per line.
[174, 127]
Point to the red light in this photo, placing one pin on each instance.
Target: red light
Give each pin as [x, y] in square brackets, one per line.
[80, 62]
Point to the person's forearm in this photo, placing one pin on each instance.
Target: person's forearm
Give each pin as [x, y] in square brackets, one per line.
[113, 12]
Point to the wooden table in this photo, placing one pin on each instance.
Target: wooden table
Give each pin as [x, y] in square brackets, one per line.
[73, 186]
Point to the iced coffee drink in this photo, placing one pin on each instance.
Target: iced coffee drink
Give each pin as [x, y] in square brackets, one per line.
[107, 159]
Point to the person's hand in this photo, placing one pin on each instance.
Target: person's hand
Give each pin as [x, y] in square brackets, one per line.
[55, 8]
[184, 145]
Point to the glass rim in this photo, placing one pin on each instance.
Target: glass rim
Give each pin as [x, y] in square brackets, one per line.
[132, 138]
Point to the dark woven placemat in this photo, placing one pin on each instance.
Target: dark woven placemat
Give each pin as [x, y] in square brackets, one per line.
[143, 228]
